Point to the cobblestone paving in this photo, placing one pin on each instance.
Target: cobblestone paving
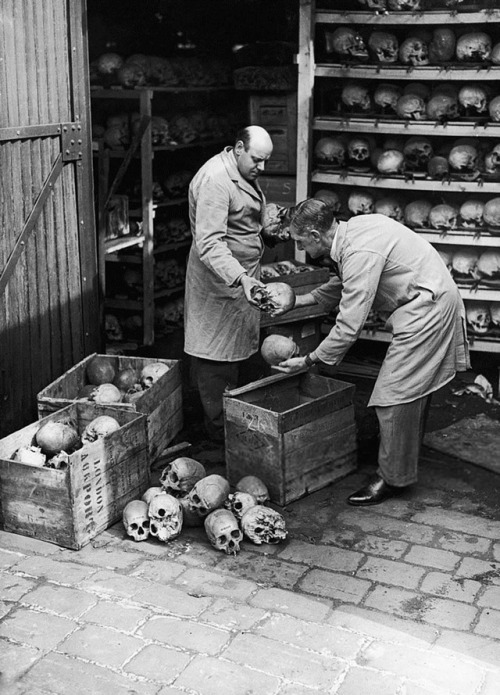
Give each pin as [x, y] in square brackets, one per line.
[398, 599]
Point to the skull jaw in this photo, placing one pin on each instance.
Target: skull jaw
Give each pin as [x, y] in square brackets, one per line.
[165, 530]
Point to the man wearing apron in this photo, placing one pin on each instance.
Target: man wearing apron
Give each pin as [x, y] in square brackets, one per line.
[221, 319]
[385, 266]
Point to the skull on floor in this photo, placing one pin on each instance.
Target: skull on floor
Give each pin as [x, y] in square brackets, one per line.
[443, 217]
[356, 96]
[239, 502]
[221, 527]
[478, 316]
[417, 214]
[361, 202]
[263, 525]
[474, 47]
[383, 46]
[471, 213]
[255, 486]
[208, 494]
[414, 51]
[180, 476]
[165, 517]
[346, 42]
[152, 492]
[136, 520]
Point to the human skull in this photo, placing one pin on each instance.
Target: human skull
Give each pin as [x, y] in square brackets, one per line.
[463, 160]
[358, 151]
[488, 265]
[136, 520]
[492, 161]
[442, 45]
[411, 107]
[414, 51]
[221, 527]
[112, 328]
[239, 502]
[495, 314]
[160, 131]
[330, 152]
[263, 525]
[386, 96]
[99, 428]
[407, 5]
[130, 76]
[330, 198]
[165, 515]
[161, 71]
[176, 184]
[383, 46]
[361, 202]
[178, 229]
[30, 455]
[152, 492]
[208, 494]
[417, 153]
[494, 109]
[346, 42]
[478, 316]
[417, 214]
[495, 54]
[182, 130]
[438, 167]
[390, 162]
[491, 213]
[464, 262]
[474, 47]
[254, 486]
[180, 476]
[198, 119]
[442, 107]
[473, 100]
[150, 373]
[443, 216]
[356, 96]
[447, 257]
[471, 213]
[117, 137]
[390, 207]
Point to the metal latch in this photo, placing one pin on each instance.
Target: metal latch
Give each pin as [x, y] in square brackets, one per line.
[71, 141]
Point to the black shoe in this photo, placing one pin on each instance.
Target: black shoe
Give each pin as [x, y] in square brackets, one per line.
[376, 491]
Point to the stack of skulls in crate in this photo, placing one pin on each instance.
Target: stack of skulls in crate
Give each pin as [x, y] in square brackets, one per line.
[108, 385]
[188, 497]
[55, 441]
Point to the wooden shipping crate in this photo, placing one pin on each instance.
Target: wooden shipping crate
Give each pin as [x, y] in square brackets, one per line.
[302, 283]
[295, 432]
[71, 506]
[162, 403]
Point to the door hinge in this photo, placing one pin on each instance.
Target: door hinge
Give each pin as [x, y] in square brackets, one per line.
[71, 141]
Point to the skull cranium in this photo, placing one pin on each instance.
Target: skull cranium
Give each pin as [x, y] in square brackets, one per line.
[98, 428]
[208, 494]
[358, 151]
[112, 328]
[494, 109]
[390, 162]
[254, 486]
[330, 152]
[136, 521]
[471, 213]
[464, 263]
[491, 213]
[165, 517]
[411, 107]
[463, 160]
[239, 502]
[181, 475]
[442, 107]
[390, 207]
[473, 99]
[346, 42]
[474, 47]
[417, 214]
[361, 202]
[221, 527]
[384, 46]
[263, 525]
[356, 96]
[417, 152]
[443, 216]
[478, 316]
[386, 96]
[414, 51]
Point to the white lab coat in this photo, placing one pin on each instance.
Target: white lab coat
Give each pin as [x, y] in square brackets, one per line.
[386, 266]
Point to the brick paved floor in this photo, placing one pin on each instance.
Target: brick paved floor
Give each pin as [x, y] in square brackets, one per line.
[398, 599]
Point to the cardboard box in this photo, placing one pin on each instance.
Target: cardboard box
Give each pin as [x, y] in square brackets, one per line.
[162, 403]
[71, 506]
[295, 432]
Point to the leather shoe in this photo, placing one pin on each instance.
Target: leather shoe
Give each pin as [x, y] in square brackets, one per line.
[376, 491]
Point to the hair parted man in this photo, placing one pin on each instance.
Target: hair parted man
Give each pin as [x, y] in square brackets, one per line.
[385, 266]
[222, 321]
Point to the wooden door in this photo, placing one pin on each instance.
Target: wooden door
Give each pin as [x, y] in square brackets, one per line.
[49, 302]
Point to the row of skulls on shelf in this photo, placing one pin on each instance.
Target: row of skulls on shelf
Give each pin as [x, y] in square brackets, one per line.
[118, 328]
[168, 273]
[141, 70]
[168, 315]
[472, 214]
[383, 6]
[422, 47]
[181, 128]
[175, 229]
[472, 265]
[464, 158]
[188, 497]
[174, 186]
[417, 101]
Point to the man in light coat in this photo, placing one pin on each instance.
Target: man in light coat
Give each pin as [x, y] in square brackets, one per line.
[385, 266]
[222, 321]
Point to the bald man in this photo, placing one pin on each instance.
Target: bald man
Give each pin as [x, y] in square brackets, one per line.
[221, 320]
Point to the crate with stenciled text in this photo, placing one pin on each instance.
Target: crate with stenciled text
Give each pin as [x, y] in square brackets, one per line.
[162, 403]
[69, 506]
[295, 432]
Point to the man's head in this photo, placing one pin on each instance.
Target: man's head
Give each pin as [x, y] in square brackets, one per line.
[252, 149]
[313, 226]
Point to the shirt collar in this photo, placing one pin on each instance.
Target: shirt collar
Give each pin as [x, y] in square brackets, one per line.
[336, 243]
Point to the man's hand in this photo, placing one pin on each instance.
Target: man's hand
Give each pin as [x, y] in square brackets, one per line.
[247, 283]
[291, 366]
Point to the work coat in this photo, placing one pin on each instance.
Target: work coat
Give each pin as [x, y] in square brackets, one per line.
[385, 266]
[225, 214]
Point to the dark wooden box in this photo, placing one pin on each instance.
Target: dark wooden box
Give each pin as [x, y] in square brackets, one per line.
[70, 507]
[162, 403]
[295, 432]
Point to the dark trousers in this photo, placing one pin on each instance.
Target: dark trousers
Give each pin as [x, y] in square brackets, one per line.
[401, 432]
[212, 379]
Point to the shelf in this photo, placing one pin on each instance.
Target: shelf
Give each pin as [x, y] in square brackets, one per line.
[172, 246]
[429, 17]
[480, 295]
[118, 92]
[125, 242]
[396, 126]
[459, 238]
[403, 72]
[168, 293]
[369, 179]
[121, 153]
[157, 205]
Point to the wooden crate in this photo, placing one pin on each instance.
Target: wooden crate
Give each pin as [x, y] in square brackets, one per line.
[162, 403]
[302, 283]
[277, 113]
[70, 507]
[295, 432]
